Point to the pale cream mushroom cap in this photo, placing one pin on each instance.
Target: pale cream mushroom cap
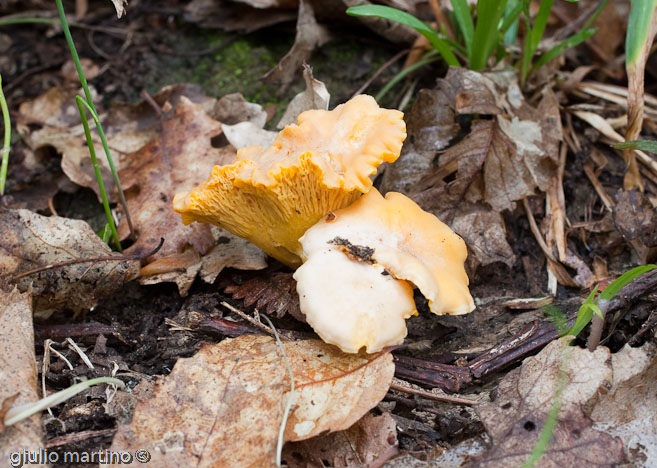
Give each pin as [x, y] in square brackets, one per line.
[353, 304]
[408, 242]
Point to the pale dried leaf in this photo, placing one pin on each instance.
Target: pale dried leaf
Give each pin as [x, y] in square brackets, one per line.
[315, 96]
[245, 134]
[524, 398]
[18, 374]
[223, 407]
[181, 158]
[370, 441]
[120, 7]
[628, 410]
[29, 241]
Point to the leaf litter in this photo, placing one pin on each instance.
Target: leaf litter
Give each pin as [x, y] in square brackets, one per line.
[506, 151]
[205, 412]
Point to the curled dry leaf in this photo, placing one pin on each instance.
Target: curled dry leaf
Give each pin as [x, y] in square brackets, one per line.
[369, 442]
[628, 410]
[181, 158]
[514, 419]
[29, 241]
[229, 251]
[18, 374]
[120, 7]
[204, 413]
[315, 96]
[310, 35]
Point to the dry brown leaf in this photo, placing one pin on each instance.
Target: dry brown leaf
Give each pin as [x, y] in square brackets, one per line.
[369, 442]
[181, 158]
[275, 294]
[127, 128]
[628, 410]
[309, 35]
[18, 374]
[223, 407]
[514, 419]
[430, 126]
[229, 251]
[29, 241]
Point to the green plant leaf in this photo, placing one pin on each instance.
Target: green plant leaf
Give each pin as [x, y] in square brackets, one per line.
[425, 61]
[584, 316]
[486, 34]
[638, 29]
[465, 22]
[402, 17]
[564, 45]
[510, 23]
[643, 145]
[619, 283]
[4, 154]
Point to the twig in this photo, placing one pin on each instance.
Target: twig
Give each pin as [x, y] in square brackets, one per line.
[430, 395]
[440, 19]
[249, 319]
[107, 258]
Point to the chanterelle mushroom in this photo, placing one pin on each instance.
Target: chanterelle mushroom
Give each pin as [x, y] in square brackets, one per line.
[354, 286]
[272, 196]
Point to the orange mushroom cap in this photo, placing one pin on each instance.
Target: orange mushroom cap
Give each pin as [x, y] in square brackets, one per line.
[395, 236]
[272, 196]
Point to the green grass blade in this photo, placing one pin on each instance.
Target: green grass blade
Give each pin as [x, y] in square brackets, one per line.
[638, 29]
[540, 22]
[619, 283]
[643, 145]
[511, 19]
[486, 34]
[6, 140]
[90, 105]
[464, 20]
[564, 45]
[402, 17]
[399, 76]
[584, 316]
[94, 161]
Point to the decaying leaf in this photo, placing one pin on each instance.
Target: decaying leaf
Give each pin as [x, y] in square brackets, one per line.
[18, 374]
[229, 251]
[628, 410]
[233, 108]
[310, 35]
[315, 96]
[127, 128]
[223, 407]
[274, 294]
[499, 162]
[181, 158]
[369, 442]
[524, 398]
[430, 127]
[29, 241]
